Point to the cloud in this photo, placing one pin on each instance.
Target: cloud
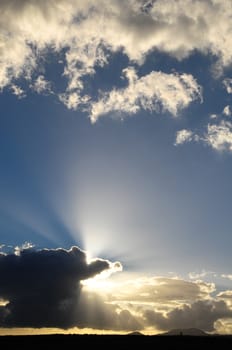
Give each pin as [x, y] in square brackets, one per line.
[227, 111]
[166, 303]
[228, 85]
[41, 85]
[72, 100]
[162, 290]
[227, 294]
[201, 314]
[153, 92]
[213, 116]
[217, 136]
[183, 136]
[43, 288]
[200, 275]
[86, 33]
[17, 91]
[229, 276]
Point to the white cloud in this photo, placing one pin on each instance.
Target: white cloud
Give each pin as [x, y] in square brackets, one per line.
[73, 100]
[224, 326]
[41, 85]
[213, 116]
[153, 92]
[183, 136]
[228, 85]
[227, 111]
[88, 30]
[165, 303]
[227, 294]
[17, 91]
[199, 275]
[162, 290]
[219, 136]
[227, 276]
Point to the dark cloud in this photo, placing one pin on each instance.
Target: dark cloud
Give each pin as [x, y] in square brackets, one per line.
[201, 314]
[44, 290]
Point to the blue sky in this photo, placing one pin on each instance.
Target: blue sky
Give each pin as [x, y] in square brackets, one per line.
[116, 137]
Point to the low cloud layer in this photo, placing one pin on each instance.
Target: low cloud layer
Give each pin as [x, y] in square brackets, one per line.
[43, 288]
[201, 314]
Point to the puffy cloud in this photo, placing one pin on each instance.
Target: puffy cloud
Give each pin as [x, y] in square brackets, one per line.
[228, 85]
[227, 111]
[17, 91]
[72, 100]
[218, 136]
[183, 136]
[86, 32]
[201, 314]
[155, 91]
[199, 275]
[43, 288]
[229, 276]
[213, 116]
[224, 326]
[41, 85]
[227, 294]
[162, 290]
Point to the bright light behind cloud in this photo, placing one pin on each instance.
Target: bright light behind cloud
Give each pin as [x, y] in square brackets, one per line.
[101, 282]
[94, 96]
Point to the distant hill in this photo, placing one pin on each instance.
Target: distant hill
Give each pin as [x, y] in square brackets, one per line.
[135, 333]
[186, 331]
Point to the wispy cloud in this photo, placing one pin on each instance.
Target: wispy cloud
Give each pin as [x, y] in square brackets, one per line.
[183, 136]
[156, 91]
[218, 136]
[228, 85]
[227, 111]
[41, 85]
[17, 91]
[88, 31]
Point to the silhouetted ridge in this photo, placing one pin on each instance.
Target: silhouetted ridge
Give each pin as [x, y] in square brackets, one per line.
[186, 331]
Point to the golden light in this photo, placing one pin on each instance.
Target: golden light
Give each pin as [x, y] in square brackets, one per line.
[96, 284]
[101, 281]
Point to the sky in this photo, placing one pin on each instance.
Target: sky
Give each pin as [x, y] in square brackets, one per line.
[115, 166]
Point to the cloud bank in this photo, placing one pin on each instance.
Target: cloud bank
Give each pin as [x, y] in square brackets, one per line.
[43, 288]
[83, 35]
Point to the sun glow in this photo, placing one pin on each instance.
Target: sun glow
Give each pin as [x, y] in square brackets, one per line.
[98, 284]
[101, 281]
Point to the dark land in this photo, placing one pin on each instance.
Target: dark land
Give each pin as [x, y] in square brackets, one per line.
[115, 341]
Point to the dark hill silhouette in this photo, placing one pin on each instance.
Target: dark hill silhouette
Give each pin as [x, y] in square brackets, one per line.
[186, 331]
[135, 333]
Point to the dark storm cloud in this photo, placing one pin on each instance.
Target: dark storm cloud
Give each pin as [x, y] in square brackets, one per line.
[201, 314]
[44, 290]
